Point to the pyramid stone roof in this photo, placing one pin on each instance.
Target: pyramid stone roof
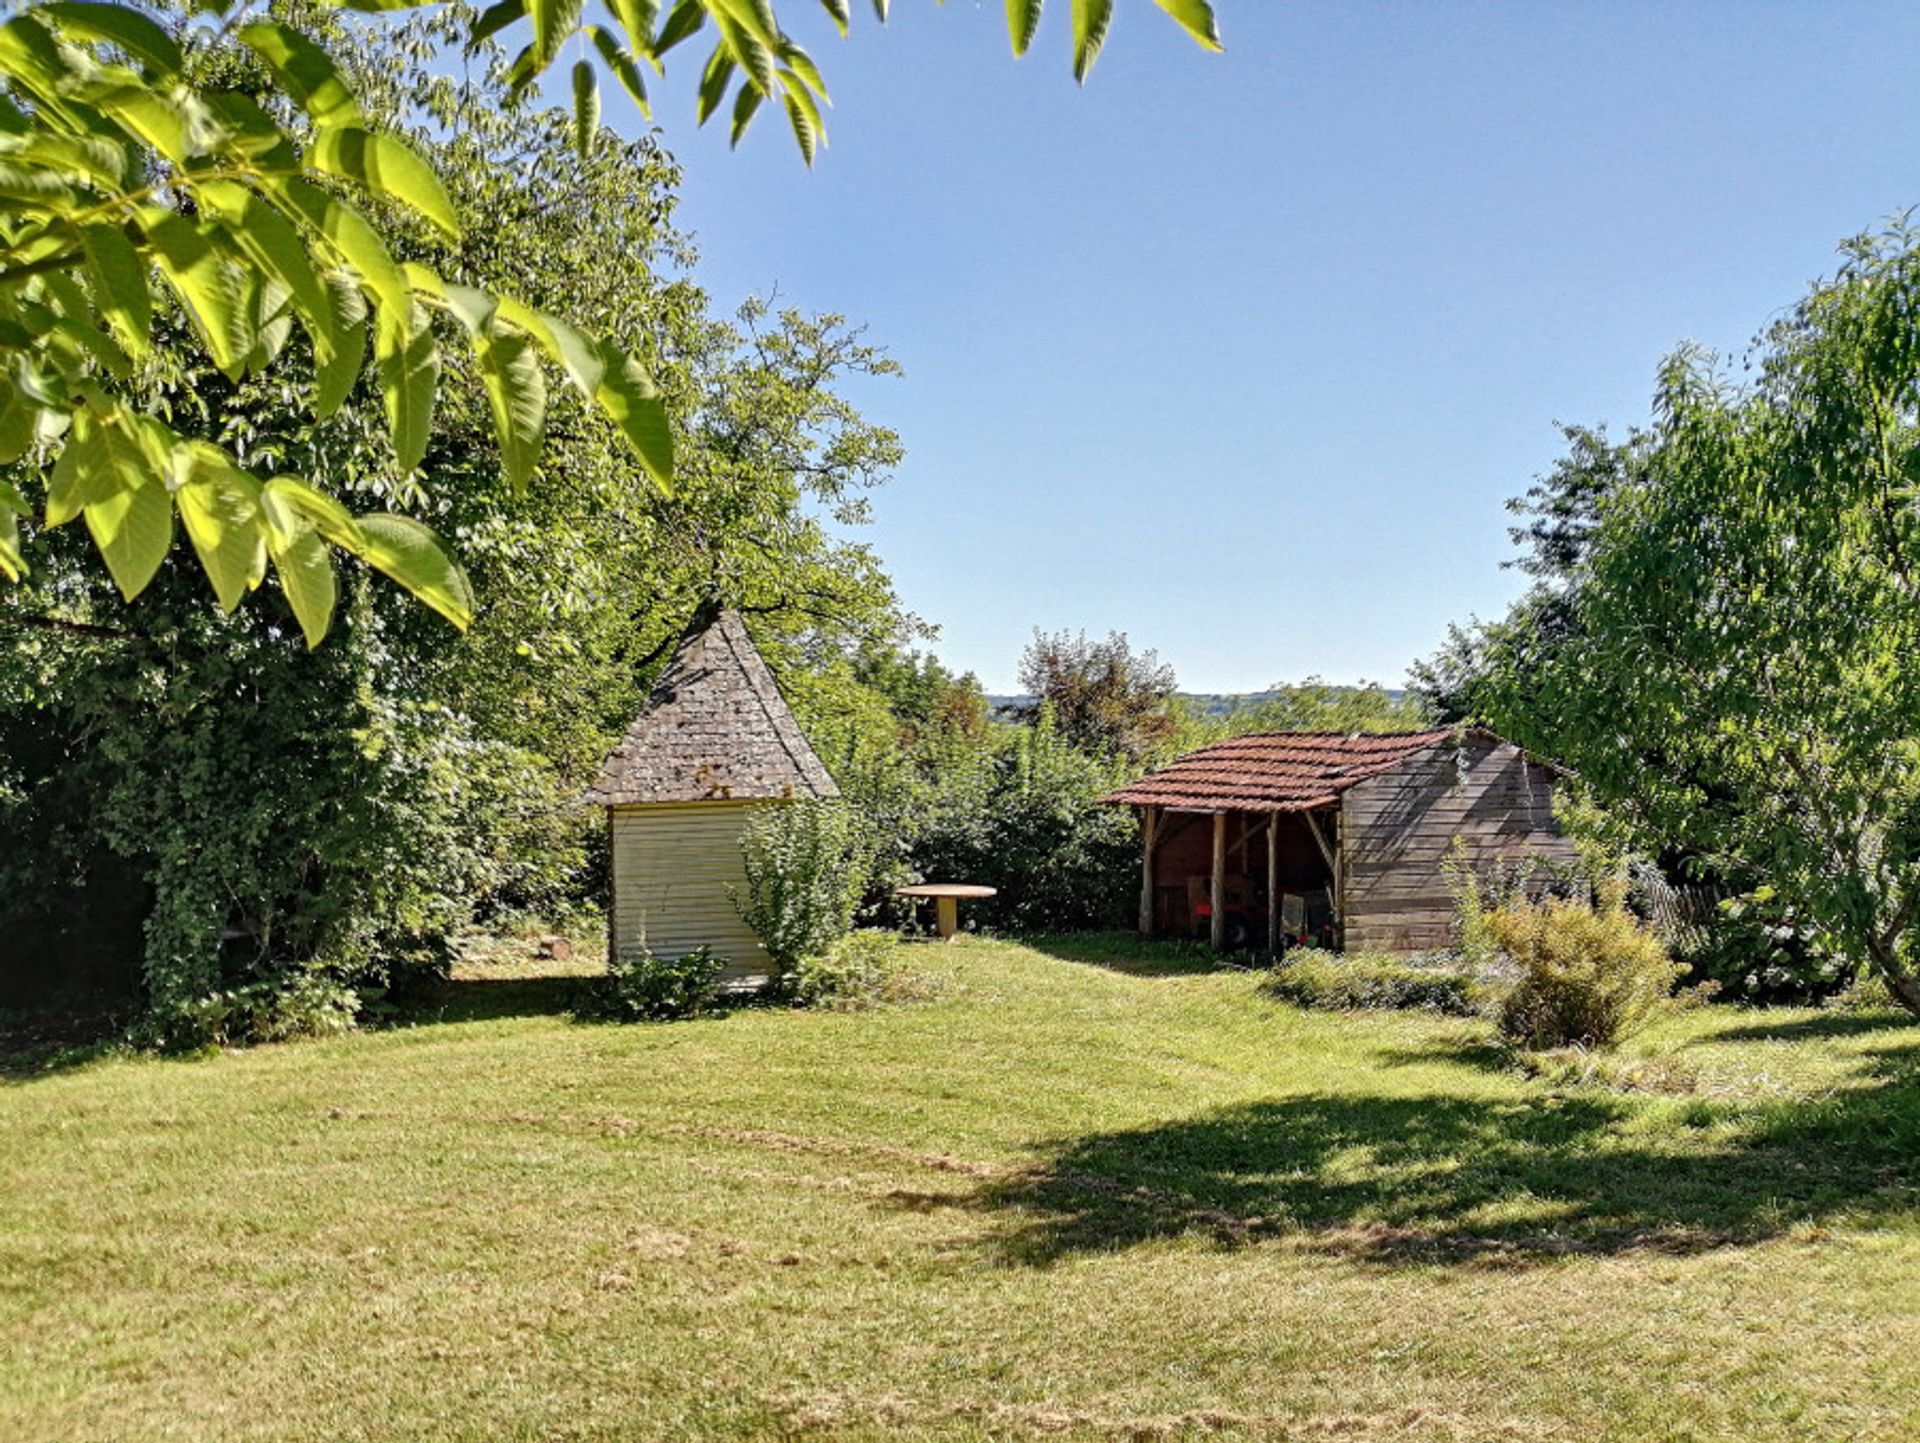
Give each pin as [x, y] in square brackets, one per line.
[715, 728]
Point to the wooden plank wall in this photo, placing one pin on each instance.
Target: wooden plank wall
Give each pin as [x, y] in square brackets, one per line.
[1399, 831]
[672, 868]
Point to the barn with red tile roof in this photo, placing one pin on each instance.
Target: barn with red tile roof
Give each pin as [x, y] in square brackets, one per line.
[1336, 837]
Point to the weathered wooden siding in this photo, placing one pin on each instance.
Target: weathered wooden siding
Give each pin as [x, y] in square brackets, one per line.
[673, 866]
[1400, 827]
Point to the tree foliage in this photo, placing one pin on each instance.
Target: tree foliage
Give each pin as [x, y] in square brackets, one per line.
[225, 167]
[268, 826]
[1314, 705]
[1735, 672]
[1102, 696]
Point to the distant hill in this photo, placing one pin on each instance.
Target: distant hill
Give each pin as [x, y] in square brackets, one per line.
[1207, 703]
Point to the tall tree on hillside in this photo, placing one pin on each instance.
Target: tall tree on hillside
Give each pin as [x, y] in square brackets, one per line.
[1103, 696]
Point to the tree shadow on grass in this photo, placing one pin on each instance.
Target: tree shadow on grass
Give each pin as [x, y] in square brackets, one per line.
[1812, 1029]
[43, 1042]
[494, 999]
[1446, 1180]
[1127, 953]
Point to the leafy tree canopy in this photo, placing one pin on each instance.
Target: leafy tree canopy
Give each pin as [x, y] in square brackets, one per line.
[223, 167]
[1733, 664]
[1103, 696]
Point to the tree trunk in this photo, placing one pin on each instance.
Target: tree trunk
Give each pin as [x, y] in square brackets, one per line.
[1904, 986]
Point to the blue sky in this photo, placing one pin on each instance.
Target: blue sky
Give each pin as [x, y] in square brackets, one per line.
[1240, 354]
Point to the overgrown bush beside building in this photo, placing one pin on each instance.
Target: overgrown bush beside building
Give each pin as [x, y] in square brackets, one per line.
[807, 865]
[640, 987]
[1589, 975]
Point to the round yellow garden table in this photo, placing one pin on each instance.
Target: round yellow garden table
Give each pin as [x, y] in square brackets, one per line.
[946, 902]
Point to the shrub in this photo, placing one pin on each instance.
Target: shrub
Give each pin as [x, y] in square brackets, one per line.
[640, 987]
[1021, 814]
[1588, 975]
[1371, 980]
[861, 969]
[806, 865]
[274, 1009]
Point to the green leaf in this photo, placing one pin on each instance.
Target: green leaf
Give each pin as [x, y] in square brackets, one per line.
[271, 242]
[1023, 18]
[405, 550]
[713, 82]
[637, 18]
[100, 460]
[803, 115]
[577, 355]
[1196, 18]
[880, 11]
[407, 362]
[751, 17]
[495, 18]
[306, 72]
[102, 164]
[475, 308]
[288, 496]
[621, 64]
[159, 119]
[333, 379]
[305, 568]
[586, 106]
[13, 563]
[841, 13]
[205, 283]
[553, 22]
[802, 65]
[220, 505]
[1090, 21]
[119, 278]
[134, 530]
[385, 165]
[12, 507]
[19, 424]
[752, 53]
[300, 554]
[683, 20]
[630, 398]
[132, 32]
[517, 394]
[347, 231]
[744, 105]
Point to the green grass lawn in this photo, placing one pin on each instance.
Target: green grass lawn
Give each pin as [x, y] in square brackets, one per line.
[1088, 1190]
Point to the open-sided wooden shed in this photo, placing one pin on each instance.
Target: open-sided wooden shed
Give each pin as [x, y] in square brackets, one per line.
[715, 740]
[1365, 822]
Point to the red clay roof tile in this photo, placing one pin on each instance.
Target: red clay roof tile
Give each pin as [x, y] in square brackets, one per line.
[1274, 771]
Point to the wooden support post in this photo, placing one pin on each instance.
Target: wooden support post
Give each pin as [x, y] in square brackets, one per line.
[1273, 885]
[1217, 923]
[946, 915]
[1335, 900]
[1149, 829]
